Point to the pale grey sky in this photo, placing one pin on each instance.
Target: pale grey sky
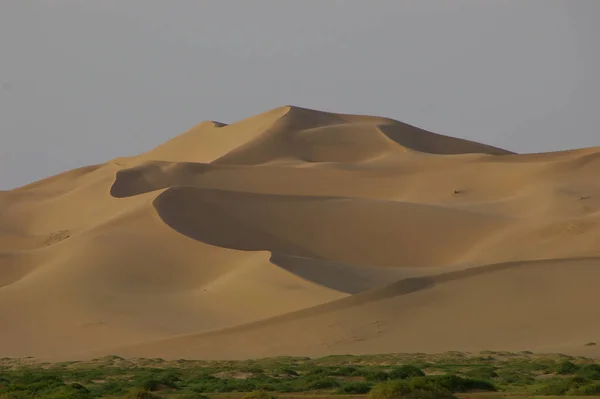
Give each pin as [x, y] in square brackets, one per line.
[82, 82]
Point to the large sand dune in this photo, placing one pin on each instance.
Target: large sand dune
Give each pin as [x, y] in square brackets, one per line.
[300, 232]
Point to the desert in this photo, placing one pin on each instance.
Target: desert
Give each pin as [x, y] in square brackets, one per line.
[305, 233]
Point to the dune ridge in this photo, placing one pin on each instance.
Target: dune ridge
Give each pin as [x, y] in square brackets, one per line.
[304, 232]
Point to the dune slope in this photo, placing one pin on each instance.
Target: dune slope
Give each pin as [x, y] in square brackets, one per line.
[302, 232]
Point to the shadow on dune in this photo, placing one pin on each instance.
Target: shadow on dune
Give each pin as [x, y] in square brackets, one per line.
[340, 276]
[196, 215]
[205, 216]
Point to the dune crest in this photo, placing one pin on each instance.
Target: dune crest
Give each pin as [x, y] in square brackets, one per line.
[303, 232]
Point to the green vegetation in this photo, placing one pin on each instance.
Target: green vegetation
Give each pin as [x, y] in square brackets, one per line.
[416, 388]
[393, 376]
[140, 393]
[259, 395]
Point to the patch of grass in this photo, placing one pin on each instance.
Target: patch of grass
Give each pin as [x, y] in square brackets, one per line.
[405, 371]
[259, 395]
[192, 395]
[515, 378]
[561, 386]
[375, 376]
[345, 371]
[142, 394]
[324, 383]
[409, 389]
[455, 383]
[355, 388]
[426, 375]
[487, 373]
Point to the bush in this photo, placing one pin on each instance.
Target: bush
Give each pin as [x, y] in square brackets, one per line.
[454, 383]
[355, 388]
[318, 371]
[79, 387]
[110, 387]
[68, 393]
[592, 389]
[560, 386]
[590, 372]
[422, 364]
[16, 395]
[409, 389]
[150, 385]
[377, 376]
[566, 367]
[170, 379]
[513, 377]
[141, 394]
[345, 371]
[192, 395]
[288, 372]
[34, 383]
[324, 383]
[482, 373]
[405, 371]
[259, 395]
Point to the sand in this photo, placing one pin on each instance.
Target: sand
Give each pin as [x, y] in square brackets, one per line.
[300, 232]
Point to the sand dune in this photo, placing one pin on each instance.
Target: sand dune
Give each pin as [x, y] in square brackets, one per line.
[509, 307]
[307, 233]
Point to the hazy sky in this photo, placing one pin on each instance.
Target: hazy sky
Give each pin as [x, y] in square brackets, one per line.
[85, 81]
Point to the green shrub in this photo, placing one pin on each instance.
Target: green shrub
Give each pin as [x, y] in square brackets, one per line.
[150, 385]
[324, 383]
[482, 373]
[318, 371]
[409, 389]
[566, 367]
[39, 377]
[258, 395]
[107, 388]
[404, 372]
[288, 372]
[377, 376]
[512, 377]
[79, 387]
[170, 378]
[422, 364]
[560, 386]
[454, 383]
[16, 395]
[67, 393]
[589, 371]
[345, 371]
[34, 382]
[591, 389]
[192, 395]
[141, 394]
[74, 391]
[355, 388]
